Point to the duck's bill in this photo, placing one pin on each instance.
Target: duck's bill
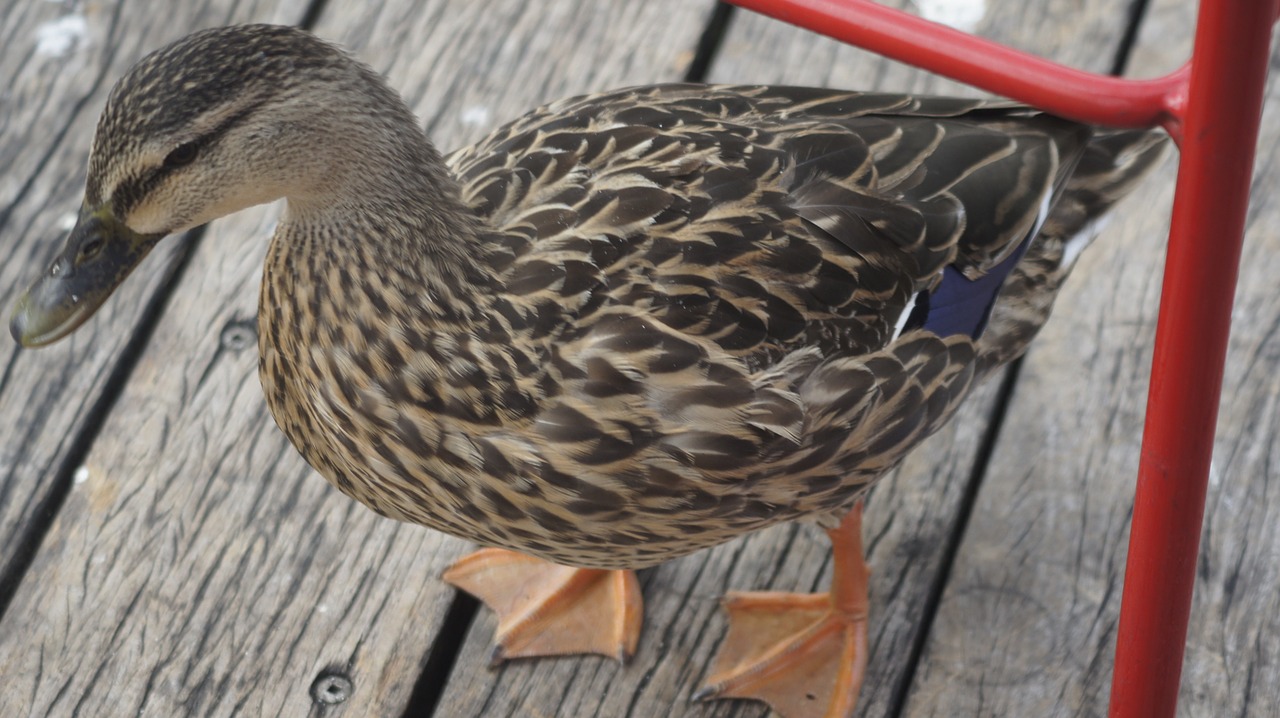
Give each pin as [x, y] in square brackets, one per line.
[99, 253]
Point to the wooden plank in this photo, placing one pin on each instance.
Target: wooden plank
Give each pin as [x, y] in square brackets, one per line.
[1027, 625]
[199, 567]
[58, 61]
[910, 518]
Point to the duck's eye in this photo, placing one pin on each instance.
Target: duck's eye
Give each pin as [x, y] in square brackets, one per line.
[181, 155]
[90, 249]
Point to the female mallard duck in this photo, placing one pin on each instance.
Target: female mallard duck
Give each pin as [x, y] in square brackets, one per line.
[621, 328]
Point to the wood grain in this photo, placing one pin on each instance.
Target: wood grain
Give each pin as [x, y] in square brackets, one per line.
[48, 107]
[1027, 625]
[910, 518]
[198, 567]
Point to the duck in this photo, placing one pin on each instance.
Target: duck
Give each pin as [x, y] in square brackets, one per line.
[619, 329]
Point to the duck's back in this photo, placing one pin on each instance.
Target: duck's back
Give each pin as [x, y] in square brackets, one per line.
[761, 219]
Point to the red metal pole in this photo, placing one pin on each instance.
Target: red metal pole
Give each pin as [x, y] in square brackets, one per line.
[1062, 90]
[1224, 105]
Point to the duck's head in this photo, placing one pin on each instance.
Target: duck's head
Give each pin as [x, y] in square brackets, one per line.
[218, 121]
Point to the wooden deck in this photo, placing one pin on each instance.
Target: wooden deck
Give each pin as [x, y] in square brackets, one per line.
[164, 552]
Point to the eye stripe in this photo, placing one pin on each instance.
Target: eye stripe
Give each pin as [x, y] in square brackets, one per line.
[132, 189]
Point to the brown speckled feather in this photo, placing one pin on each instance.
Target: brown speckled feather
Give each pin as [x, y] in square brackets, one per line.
[691, 327]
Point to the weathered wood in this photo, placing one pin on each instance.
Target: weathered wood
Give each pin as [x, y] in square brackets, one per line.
[910, 519]
[1027, 625]
[58, 61]
[198, 567]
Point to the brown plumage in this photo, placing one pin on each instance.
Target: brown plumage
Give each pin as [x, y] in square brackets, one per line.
[683, 329]
[623, 327]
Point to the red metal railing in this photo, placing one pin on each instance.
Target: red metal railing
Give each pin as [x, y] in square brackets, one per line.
[1212, 107]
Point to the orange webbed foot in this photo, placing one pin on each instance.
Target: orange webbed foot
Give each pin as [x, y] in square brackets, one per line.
[803, 654]
[545, 609]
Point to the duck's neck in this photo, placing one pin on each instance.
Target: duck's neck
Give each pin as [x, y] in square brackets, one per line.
[376, 317]
[388, 212]
[376, 305]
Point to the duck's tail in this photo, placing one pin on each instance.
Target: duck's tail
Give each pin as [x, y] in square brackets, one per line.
[1112, 164]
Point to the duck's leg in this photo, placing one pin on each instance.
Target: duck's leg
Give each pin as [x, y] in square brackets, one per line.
[803, 654]
[545, 609]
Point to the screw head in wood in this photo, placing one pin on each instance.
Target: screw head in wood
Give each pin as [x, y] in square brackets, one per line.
[331, 688]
